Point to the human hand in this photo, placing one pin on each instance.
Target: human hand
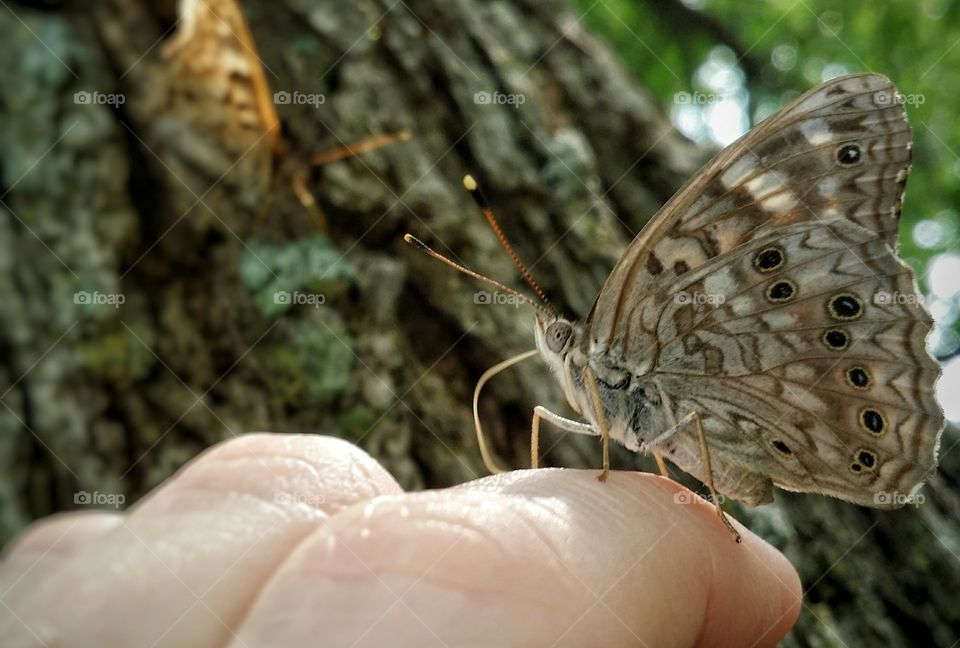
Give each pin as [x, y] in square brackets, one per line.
[304, 540]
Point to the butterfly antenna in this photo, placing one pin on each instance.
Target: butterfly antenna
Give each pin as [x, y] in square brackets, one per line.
[368, 144]
[471, 185]
[423, 247]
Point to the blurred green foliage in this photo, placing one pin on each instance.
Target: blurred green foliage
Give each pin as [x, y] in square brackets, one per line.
[781, 48]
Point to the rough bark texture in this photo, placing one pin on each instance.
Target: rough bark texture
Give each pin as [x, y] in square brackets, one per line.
[116, 399]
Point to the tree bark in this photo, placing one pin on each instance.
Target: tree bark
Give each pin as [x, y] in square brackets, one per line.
[102, 200]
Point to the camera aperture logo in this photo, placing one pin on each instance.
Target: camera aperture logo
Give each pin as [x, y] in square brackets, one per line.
[297, 98]
[696, 98]
[297, 298]
[689, 497]
[888, 98]
[293, 498]
[684, 298]
[496, 298]
[896, 298]
[96, 498]
[97, 298]
[484, 98]
[86, 98]
[897, 499]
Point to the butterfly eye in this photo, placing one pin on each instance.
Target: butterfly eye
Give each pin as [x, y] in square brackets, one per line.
[872, 421]
[769, 259]
[845, 306]
[849, 154]
[836, 339]
[557, 335]
[858, 377]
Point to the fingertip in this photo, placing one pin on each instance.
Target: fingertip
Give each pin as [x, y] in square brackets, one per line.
[754, 595]
[791, 601]
[681, 578]
[791, 598]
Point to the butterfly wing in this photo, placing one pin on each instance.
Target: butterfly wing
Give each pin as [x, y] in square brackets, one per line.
[812, 374]
[221, 115]
[786, 170]
[798, 217]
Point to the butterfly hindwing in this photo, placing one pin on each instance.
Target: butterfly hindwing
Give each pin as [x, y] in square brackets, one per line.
[804, 353]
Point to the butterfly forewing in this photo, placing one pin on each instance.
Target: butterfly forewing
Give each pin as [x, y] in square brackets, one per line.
[219, 100]
[784, 171]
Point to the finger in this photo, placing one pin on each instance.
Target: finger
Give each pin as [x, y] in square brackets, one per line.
[689, 583]
[754, 594]
[198, 548]
[45, 545]
[290, 470]
[63, 532]
[528, 558]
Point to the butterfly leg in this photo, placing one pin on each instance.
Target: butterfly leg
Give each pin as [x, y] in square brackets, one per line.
[705, 456]
[591, 382]
[541, 412]
[661, 464]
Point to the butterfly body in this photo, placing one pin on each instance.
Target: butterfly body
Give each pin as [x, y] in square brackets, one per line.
[753, 302]
[631, 407]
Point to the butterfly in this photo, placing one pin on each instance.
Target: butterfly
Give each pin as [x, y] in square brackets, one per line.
[203, 101]
[761, 330]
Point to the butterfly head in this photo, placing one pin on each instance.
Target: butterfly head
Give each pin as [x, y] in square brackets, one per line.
[558, 341]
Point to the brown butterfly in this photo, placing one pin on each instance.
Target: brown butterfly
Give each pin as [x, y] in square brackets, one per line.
[205, 105]
[745, 335]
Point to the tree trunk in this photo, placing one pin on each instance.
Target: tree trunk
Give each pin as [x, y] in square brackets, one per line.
[126, 203]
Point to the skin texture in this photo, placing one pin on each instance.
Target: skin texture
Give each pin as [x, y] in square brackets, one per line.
[305, 540]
